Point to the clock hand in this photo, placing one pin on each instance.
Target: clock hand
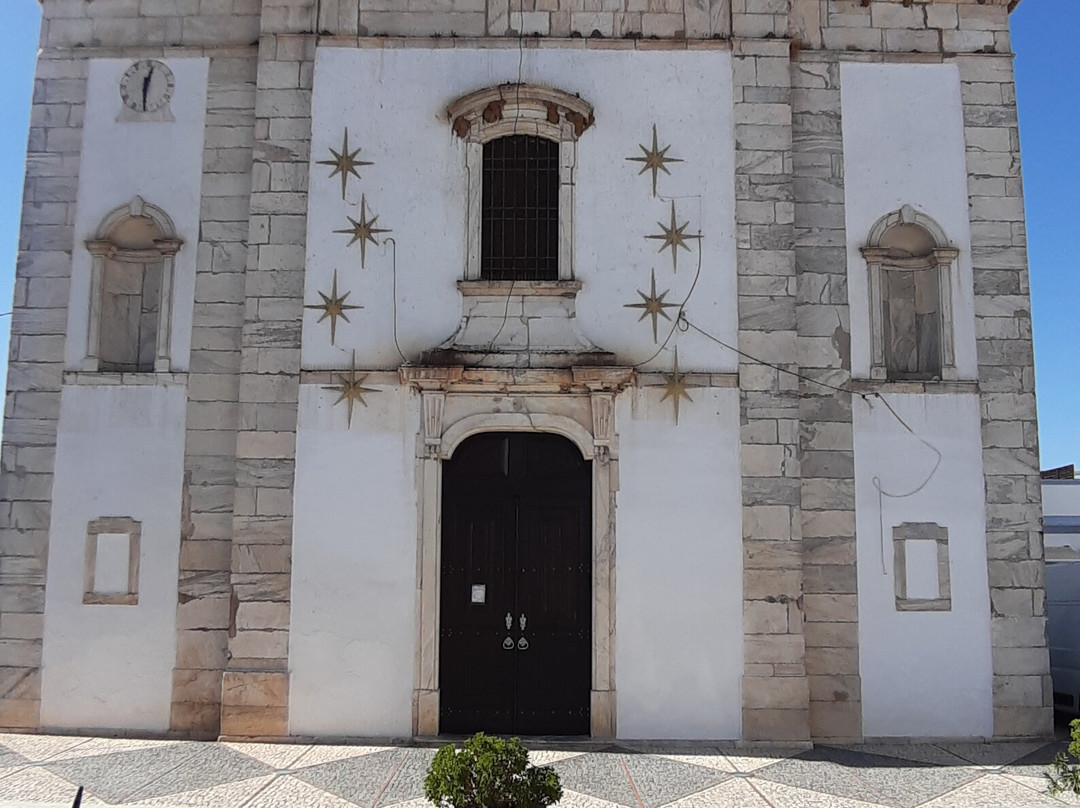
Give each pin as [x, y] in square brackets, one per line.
[146, 87]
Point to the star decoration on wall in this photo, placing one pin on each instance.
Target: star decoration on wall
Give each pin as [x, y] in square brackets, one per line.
[333, 306]
[350, 389]
[654, 159]
[673, 237]
[652, 305]
[364, 230]
[344, 163]
[675, 386]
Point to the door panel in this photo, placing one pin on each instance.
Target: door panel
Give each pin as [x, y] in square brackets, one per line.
[554, 589]
[477, 675]
[516, 521]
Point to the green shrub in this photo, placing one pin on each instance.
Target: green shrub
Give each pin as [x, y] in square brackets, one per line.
[489, 773]
[1064, 775]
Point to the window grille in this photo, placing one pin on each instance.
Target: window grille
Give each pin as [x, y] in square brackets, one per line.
[520, 225]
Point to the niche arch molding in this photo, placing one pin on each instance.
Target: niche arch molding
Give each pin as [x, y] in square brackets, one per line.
[136, 233]
[910, 240]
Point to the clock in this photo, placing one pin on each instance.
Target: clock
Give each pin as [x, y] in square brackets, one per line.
[147, 86]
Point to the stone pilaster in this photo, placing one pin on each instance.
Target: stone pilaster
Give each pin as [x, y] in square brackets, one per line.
[1022, 690]
[825, 436]
[255, 686]
[203, 609]
[35, 379]
[775, 691]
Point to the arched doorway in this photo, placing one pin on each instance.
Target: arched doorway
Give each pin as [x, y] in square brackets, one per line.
[515, 644]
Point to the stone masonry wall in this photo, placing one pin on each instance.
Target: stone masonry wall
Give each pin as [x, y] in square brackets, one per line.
[255, 690]
[35, 378]
[203, 595]
[557, 18]
[1022, 690]
[830, 583]
[775, 689]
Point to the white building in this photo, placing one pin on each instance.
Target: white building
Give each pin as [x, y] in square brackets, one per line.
[656, 370]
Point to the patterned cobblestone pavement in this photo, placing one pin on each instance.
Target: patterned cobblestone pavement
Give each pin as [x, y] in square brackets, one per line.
[38, 770]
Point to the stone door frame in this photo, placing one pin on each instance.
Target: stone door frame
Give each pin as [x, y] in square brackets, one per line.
[577, 403]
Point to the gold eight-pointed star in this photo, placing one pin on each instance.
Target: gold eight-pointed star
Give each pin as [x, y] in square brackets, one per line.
[333, 306]
[344, 163]
[673, 237]
[350, 389]
[652, 305]
[654, 159]
[675, 386]
[364, 230]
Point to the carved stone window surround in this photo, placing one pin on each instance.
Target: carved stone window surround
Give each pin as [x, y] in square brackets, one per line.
[520, 109]
[880, 259]
[103, 247]
[926, 532]
[458, 403]
[112, 525]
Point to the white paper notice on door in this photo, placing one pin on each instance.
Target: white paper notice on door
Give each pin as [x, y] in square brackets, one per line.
[479, 593]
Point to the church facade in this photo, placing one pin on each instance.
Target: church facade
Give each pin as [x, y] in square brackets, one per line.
[647, 369]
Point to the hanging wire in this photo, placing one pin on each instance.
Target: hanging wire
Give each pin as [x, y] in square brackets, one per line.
[393, 297]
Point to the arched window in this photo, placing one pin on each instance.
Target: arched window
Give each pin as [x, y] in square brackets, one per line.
[521, 156]
[911, 325]
[131, 290]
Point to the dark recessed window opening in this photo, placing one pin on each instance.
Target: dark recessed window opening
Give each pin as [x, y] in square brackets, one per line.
[520, 229]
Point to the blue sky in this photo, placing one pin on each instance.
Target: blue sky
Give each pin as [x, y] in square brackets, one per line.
[1048, 93]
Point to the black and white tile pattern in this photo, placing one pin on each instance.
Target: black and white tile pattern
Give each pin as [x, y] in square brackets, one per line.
[38, 770]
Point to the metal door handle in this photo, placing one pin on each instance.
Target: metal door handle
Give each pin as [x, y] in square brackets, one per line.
[508, 643]
[523, 644]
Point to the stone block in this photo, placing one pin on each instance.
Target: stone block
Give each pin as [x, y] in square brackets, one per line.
[254, 722]
[19, 714]
[776, 725]
[774, 648]
[762, 617]
[832, 661]
[260, 645]
[1021, 661]
[776, 584]
[1023, 722]
[196, 686]
[832, 635]
[836, 720]
[201, 649]
[775, 692]
[195, 719]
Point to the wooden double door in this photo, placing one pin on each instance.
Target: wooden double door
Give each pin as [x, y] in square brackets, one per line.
[515, 653]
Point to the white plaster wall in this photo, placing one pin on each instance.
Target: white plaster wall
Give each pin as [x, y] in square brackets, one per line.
[396, 114]
[353, 629]
[1061, 498]
[679, 628]
[119, 452]
[162, 163]
[904, 145]
[923, 673]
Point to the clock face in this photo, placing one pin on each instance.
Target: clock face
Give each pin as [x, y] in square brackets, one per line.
[147, 85]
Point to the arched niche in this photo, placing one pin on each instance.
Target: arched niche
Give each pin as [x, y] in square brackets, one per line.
[133, 252]
[910, 258]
